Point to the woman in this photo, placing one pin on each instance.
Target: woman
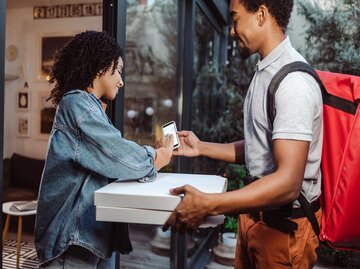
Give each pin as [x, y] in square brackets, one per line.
[85, 153]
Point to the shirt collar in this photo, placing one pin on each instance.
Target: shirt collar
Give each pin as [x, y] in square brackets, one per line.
[81, 91]
[274, 54]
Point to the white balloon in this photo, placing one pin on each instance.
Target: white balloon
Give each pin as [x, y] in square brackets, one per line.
[168, 103]
[131, 113]
[149, 111]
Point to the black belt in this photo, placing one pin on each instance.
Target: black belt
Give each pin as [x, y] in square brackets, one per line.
[281, 221]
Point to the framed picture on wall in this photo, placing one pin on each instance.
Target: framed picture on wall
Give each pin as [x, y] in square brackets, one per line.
[49, 44]
[44, 115]
[23, 100]
[23, 126]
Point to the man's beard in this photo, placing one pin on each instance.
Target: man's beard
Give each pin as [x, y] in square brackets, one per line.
[245, 53]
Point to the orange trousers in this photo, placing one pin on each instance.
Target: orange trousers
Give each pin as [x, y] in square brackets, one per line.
[262, 247]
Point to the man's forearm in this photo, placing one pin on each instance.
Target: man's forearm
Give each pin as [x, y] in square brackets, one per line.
[265, 193]
[279, 188]
[231, 152]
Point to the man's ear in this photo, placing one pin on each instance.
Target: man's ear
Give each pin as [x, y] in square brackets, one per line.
[262, 14]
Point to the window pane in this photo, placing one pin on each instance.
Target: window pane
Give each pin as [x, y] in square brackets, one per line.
[150, 102]
[207, 99]
[151, 36]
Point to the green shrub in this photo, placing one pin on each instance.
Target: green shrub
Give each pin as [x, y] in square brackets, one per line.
[231, 224]
[333, 36]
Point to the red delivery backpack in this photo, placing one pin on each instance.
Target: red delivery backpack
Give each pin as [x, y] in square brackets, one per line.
[340, 198]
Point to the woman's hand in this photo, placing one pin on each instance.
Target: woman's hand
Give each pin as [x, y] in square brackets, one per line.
[164, 151]
[189, 144]
[168, 143]
[164, 141]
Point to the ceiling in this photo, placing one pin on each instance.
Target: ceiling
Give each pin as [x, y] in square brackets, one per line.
[31, 3]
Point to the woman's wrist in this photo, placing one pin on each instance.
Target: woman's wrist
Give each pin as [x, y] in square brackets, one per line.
[163, 157]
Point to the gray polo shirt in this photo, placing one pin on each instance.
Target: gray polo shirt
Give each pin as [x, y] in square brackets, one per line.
[298, 105]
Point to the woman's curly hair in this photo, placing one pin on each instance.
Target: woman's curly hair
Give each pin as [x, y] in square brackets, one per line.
[78, 63]
[279, 9]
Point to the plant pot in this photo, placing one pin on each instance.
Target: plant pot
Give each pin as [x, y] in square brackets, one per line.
[161, 243]
[224, 251]
[162, 234]
[229, 239]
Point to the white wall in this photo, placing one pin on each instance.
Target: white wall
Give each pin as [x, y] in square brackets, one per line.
[298, 24]
[25, 33]
[296, 29]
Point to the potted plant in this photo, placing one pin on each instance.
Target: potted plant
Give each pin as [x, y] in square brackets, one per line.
[161, 243]
[229, 237]
[225, 250]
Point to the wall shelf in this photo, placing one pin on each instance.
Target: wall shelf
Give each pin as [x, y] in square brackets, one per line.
[10, 77]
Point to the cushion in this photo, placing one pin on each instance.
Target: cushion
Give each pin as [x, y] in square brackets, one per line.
[26, 172]
[6, 172]
[18, 194]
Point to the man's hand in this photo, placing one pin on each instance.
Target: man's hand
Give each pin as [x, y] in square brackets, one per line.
[190, 213]
[189, 144]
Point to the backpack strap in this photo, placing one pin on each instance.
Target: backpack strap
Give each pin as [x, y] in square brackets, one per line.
[309, 213]
[274, 85]
[328, 99]
[280, 75]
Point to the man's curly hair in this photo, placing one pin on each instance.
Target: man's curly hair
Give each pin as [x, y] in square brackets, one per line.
[279, 9]
[78, 63]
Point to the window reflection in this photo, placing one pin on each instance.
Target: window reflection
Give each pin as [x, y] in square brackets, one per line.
[207, 96]
[204, 39]
[151, 35]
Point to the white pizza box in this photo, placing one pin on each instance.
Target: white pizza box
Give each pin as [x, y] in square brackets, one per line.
[144, 216]
[155, 195]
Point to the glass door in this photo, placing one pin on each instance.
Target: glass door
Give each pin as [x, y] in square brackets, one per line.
[150, 95]
[207, 99]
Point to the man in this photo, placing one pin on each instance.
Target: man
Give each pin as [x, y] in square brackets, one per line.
[283, 158]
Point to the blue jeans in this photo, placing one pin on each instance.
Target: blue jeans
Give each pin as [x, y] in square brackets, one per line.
[76, 257]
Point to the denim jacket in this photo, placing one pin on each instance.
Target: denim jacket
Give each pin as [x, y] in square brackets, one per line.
[85, 152]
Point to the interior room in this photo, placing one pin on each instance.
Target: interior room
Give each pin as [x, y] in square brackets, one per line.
[180, 64]
[157, 87]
